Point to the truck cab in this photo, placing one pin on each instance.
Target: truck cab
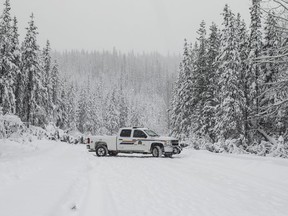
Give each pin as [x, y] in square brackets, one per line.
[134, 140]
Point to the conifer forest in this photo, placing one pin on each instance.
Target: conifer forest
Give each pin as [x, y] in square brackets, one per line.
[227, 91]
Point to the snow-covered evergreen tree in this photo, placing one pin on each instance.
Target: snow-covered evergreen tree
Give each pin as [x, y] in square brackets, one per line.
[55, 90]
[61, 102]
[71, 107]
[19, 75]
[181, 107]
[199, 84]
[8, 69]
[231, 97]
[31, 68]
[242, 40]
[270, 76]
[209, 97]
[112, 113]
[47, 84]
[123, 109]
[255, 48]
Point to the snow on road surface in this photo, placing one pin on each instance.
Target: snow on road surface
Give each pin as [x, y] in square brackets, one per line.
[46, 178]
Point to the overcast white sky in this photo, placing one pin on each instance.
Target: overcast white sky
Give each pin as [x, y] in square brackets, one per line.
[139, 25]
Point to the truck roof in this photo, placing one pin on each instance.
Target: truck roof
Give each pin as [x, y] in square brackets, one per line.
[131, 128]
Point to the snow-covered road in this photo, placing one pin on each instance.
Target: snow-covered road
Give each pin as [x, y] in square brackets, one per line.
[56, 179]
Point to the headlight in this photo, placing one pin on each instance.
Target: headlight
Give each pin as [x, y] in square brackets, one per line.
[168, 142]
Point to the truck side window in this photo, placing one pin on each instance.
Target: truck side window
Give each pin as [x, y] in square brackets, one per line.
[125, 133]
[139, 134]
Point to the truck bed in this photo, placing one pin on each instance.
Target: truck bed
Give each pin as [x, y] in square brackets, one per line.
[110, 140]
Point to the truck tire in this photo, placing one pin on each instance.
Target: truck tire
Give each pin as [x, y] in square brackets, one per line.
[157, 151]
[176, 150]
[101, 151]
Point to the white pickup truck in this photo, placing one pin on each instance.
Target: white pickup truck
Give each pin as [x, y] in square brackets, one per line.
[134, 140]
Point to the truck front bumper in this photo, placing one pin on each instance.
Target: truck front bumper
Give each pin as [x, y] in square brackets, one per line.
[172, 149]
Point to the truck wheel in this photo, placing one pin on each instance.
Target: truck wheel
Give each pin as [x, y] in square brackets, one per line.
[156, 151]
[176, 150]
[101, 151]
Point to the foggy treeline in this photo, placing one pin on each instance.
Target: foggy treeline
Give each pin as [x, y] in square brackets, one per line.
[113, 90]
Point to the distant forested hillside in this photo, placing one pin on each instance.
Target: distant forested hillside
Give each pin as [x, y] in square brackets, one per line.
[122, 89]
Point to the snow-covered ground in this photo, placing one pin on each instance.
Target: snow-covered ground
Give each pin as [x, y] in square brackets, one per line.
[46, 178]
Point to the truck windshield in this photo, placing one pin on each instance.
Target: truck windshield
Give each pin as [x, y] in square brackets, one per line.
[151, 133]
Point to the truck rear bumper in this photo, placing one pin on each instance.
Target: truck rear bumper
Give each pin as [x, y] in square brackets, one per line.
[89, 148]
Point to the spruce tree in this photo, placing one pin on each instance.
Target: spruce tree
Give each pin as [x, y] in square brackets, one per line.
[273, 90]
[255, 48]
[55, 85]
[200, 81]
[112, 113]
[47, 84]
[31, 68]
[123, 109]
[20, 76]
[61, 105]
[271, 46]
[231, 97]
[210, 93]
[71, 107]
[243, 41]
[181, 108]
[8, 69]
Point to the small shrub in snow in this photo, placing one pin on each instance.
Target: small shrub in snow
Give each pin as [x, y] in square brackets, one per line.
[220, 146]
[196, 142]
[261, 149]
[280, 149]
[37, 132]
[10, 125]
[236, 146]
[55, 133]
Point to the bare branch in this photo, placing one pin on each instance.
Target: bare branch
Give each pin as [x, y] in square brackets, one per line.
[275, 16]
[279, 2]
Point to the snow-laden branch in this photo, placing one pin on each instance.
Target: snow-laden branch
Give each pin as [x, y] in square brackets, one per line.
[270, 57]
[269, 138]
[267, 62]
[267, 110]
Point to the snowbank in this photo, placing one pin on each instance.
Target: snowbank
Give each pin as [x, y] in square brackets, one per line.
[12, 128]
[277, 148]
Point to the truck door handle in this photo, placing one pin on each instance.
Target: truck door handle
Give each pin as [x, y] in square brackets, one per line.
[120, 139]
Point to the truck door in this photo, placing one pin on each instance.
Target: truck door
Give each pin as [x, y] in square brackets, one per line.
[140, 140]
[125, 140]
